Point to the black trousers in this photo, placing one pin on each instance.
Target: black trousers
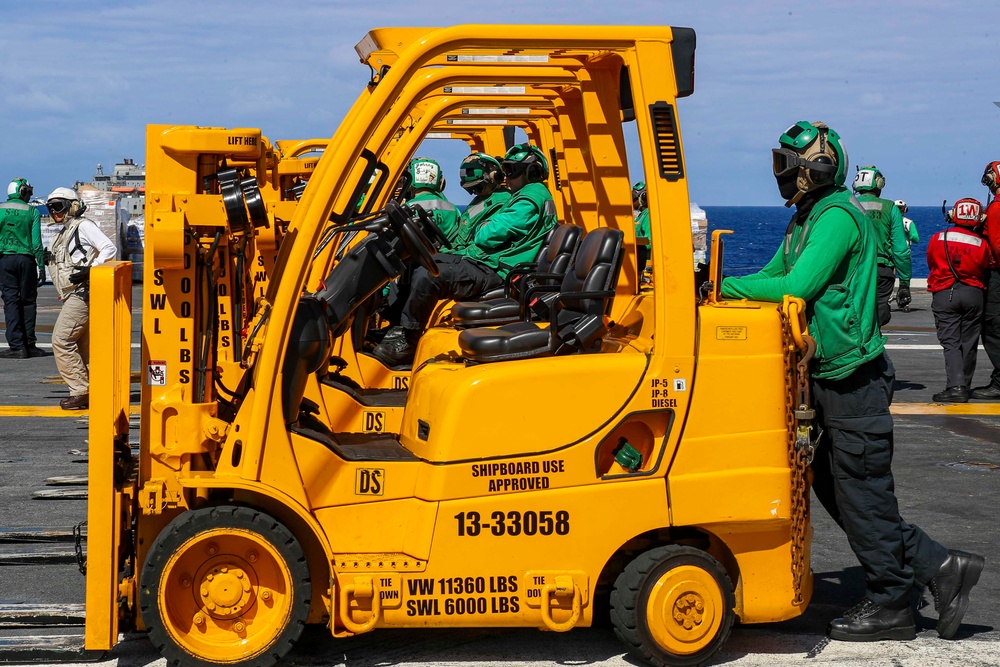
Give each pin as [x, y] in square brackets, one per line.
[853, 481]
[885, 281]
[958, 316]
[19, 287]
[460, 278]
[991, 325]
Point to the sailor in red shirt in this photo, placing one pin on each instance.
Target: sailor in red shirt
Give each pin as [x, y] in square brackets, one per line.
[991, 316]
[959, 260]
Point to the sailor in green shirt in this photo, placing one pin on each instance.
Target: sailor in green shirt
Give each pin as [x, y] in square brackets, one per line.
[890, 240]
[22, 269]
[426, 192]
[482, 177]
[640, 204]
[512, 235]
[828, 259]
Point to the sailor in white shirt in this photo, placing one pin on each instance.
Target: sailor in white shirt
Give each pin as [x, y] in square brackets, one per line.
[80, 245]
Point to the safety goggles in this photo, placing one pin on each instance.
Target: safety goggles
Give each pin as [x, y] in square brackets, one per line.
[514, 169]
[784, 160]
[58, 206]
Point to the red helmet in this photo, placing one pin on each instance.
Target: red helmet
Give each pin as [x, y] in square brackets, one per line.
[991, 175]
[967, 212]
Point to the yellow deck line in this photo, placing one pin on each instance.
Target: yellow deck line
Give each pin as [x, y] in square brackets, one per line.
[984, 409]
[47, 411]
[945, 409]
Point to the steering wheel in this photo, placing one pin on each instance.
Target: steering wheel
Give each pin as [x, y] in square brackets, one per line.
[431, 229]
[412, 236]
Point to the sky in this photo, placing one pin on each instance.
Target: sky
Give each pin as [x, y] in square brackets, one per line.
[909, 86]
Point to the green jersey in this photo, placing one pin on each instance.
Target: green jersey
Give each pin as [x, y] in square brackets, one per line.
[21, 230]
[890, 236]
[478, 211]
[443, 211]
[828, 260]
[516, 232]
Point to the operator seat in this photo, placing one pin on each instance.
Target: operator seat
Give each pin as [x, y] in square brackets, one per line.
[554, 259]
[577, 312]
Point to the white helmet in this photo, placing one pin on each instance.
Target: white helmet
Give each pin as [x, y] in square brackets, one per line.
[64, 200]
[901, 205]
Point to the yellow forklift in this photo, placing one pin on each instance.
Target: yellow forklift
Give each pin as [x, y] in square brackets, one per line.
[643, 447]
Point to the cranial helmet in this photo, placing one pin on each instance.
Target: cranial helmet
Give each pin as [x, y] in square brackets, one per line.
[901, 205]
[991, 175]
[426, 174]
[525, 158]
[639, 197]
[21, 189]
[811, 156]
[65, 200]
[967, 212]
[479, 172]
[868, 179]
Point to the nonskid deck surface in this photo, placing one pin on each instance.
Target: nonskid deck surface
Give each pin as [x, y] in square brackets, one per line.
[947, 469]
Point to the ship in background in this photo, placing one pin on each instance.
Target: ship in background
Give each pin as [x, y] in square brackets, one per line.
[128, 180]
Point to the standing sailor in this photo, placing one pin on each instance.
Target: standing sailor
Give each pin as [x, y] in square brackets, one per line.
[80, 245]
[959, 260]
[891, 246]
[991, 315]
[22, 269]
[828, 259]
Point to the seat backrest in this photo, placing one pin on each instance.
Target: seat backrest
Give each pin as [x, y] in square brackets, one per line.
[596, 269]
[560, 249]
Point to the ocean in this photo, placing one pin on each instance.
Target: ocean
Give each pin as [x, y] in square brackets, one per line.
[758, 230]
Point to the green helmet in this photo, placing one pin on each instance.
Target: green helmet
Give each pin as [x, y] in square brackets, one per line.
[21, 189]
[525, 158]
[815, 153]
[480, 171]
[639, 194]
[868, 179]
[425, 174]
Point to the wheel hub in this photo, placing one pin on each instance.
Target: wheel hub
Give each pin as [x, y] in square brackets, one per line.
[684, 610]
[226, 589]
[689, 610]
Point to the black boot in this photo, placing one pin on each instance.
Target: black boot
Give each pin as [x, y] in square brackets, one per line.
[951, 586]
[34, 351]
[952, 395]
[398, 347]
[869, 622]
[12, 353]
[990, 392]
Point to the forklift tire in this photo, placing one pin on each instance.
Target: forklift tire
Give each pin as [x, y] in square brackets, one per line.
[225, 586]
[673, 606]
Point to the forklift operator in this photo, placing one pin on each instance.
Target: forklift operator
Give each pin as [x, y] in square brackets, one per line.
[513, 235]
[828, 258]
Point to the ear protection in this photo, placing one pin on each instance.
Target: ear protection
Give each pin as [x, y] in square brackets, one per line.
[535, 167]
[20, 188]
[991, 175]
[824, 156]
[967, 212]
[77, 208]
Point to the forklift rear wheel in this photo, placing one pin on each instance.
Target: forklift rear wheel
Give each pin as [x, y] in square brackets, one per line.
[673, 606]
[225, 585]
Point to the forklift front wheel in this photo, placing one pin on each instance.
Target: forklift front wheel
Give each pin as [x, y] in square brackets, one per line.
[225, 585]
[673, 606]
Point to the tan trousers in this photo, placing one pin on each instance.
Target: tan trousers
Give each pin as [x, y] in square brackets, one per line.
[71, 344]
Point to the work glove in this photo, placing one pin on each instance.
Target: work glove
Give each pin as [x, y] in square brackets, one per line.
[41, 276]
[80, 276]
[903, 298]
